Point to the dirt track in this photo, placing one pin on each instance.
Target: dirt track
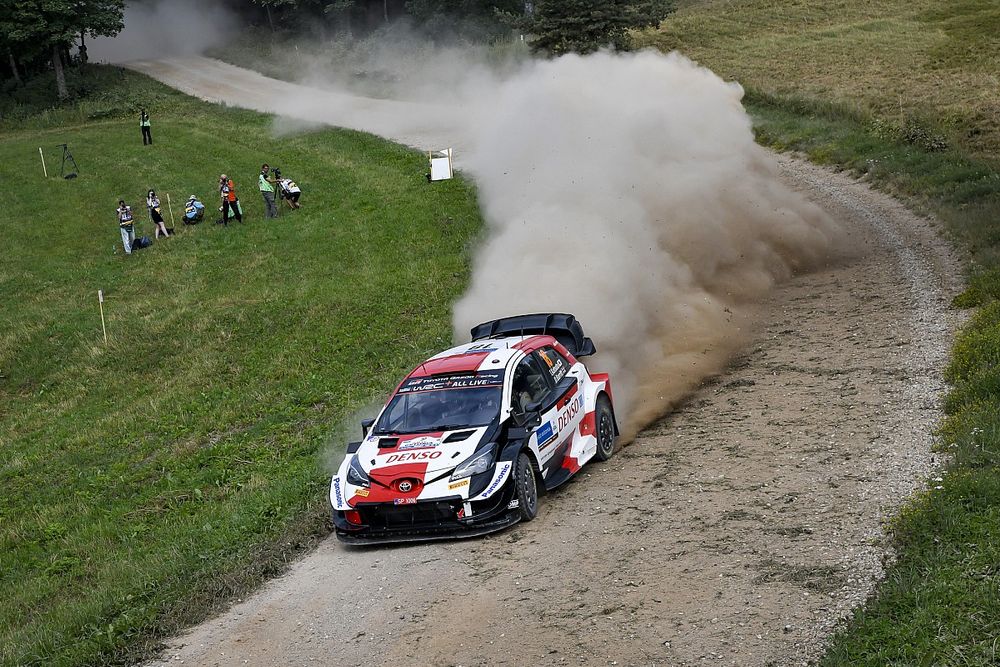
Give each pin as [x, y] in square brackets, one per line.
[736, 531]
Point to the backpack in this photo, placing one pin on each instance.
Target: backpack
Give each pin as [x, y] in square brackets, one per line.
[142, 242]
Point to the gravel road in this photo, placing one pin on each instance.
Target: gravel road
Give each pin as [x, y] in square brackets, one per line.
[737, 531]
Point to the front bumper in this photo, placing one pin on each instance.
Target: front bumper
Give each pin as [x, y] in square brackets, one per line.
[427, 520]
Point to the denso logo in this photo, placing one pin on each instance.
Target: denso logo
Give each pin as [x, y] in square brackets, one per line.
[567, 415]
[412, 456]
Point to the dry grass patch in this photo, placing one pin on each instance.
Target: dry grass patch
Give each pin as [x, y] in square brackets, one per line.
[937, 63]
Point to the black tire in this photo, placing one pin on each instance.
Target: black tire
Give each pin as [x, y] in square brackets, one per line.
[525, 488]
[604, 425]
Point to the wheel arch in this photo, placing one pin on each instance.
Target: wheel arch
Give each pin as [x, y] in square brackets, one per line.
[611, 404]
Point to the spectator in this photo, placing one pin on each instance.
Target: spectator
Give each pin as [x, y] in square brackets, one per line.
[229, 200]
[153, 204]
[194, 211]
[147, 135]
[266, 184]
[289, 191]
[125, 224]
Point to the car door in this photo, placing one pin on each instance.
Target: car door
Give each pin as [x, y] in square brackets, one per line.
[562, 411]
[548, 399]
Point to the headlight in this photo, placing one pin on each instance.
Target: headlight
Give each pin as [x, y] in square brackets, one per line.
[475, 464]
[357, 476]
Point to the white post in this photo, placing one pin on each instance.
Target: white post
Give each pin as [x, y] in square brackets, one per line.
[100, 301]
[42, 155]
[171, 209]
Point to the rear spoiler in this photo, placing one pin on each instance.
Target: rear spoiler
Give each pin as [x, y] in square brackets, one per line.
[564, 328]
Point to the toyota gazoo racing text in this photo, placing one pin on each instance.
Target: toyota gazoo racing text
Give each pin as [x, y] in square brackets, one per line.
[465, 439]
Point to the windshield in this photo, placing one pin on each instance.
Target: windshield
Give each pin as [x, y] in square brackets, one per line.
[427, 404]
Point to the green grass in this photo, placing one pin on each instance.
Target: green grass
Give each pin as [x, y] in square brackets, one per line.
[905, 95]
[148, 481]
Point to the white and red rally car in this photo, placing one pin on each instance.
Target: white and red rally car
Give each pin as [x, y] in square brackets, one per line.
[465, 439]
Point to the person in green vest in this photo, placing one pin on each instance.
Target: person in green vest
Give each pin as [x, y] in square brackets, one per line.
[266, 185]
[147, 135]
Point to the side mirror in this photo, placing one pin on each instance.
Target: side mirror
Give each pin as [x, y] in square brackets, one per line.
[534, 406]
[366, 425]
[353, 447]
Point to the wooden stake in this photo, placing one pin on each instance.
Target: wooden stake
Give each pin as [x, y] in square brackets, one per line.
[42, 155]
[100, 302]
[171, 209]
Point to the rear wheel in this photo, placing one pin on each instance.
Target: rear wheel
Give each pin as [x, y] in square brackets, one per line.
[526, 488]
[604, 422]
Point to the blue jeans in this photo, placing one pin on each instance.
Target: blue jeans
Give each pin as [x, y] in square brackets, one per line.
[128, 237]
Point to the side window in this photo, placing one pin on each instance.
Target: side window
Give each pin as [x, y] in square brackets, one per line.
[556, 364]
[529, 384]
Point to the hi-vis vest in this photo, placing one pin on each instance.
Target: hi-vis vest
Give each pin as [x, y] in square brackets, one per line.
[144, 120]
[125, 217]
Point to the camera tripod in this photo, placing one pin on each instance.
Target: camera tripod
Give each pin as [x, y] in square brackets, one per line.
[67, 156]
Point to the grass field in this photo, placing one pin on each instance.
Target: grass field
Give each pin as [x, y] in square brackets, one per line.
[921, 63]
[907, 96]
[151, 479]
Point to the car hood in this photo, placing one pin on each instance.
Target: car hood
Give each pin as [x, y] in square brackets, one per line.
[389, 456]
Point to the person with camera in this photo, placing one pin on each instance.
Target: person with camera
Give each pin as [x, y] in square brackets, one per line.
[289, 191]
[266, 185]
[127, 225]
[153, 204]
[230, 202]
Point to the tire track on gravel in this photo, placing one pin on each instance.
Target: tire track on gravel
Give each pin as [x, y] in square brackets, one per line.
[737, 530]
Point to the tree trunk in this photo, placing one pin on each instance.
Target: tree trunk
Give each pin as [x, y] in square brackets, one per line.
[83, 48]
[13, 68]
[57, 65]
[270, 21]
[385, 10]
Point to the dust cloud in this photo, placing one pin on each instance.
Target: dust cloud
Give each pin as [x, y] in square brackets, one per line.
[164, 28]
[628, 190]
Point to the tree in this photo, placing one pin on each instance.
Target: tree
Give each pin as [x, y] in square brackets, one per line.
[584, 26]
[474, 18]
[53, 25]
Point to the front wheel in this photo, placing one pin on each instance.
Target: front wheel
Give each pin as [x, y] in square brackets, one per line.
[604, 421]
[526, 488]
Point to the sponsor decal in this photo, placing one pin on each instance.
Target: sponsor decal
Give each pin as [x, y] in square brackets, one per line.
[514, 504]
[567, 415]
[458, 485]
[423, 442]
[336, 492]
[557, 365]
[501, 477]
[544, 435]
[404, 501]
[481, 348]
[464, 381]
[362, 492]
[411, 456]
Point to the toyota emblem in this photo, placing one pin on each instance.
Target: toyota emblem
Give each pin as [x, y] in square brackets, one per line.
[405, 486]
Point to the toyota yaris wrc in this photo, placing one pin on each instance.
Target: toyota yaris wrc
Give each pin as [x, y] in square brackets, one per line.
[464, 441]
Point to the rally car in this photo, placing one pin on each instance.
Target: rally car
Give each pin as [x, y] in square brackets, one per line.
[466, 438]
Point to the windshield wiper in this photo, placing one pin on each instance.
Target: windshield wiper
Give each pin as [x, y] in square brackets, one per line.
[452, 427]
